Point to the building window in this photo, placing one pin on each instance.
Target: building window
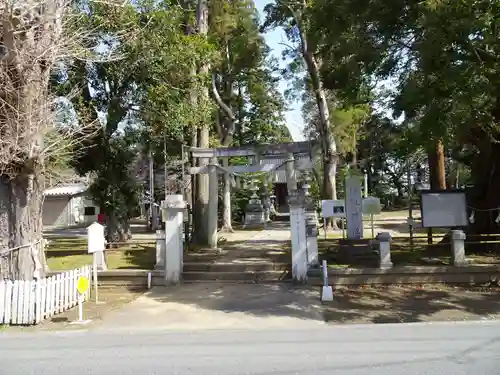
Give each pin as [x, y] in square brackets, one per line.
[89, 211]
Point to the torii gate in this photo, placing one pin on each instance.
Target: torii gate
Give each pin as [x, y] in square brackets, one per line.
[213, 168]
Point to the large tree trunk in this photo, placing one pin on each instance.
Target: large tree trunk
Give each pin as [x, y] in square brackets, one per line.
[226, 201]
[437, 173]
[225, 130]
[22, 254]
[328, 144]
[118, 229]
[485, 197]
[437, 166]
[202, 180]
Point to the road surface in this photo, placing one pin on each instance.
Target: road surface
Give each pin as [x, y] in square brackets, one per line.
[439, 348]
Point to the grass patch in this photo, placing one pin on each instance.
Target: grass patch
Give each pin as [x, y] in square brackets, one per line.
[403, 254]
[65, 253]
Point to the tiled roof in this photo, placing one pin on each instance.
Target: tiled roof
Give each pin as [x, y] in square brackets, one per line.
[68, 190]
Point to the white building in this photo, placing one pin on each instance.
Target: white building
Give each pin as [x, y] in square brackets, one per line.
[68, 205]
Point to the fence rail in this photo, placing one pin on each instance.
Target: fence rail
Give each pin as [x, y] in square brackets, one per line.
[30, 302]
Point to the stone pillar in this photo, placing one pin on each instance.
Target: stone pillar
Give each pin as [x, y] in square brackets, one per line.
[291, 179]
[298, 230]
[353, 207]
[458, 248]
[213, 203]
[160, 249]
[384, 239]
[174, 208]
[254, 212]
[311, 221]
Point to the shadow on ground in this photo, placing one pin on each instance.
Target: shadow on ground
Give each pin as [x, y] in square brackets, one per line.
[262, 300]
[404, 304]
[220, 305]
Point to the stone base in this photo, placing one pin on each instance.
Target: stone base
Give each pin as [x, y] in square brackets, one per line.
[254, 218]
[358, 251]
[386, 266]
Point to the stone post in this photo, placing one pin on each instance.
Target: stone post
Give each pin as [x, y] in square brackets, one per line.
[160, 249]
[213, 203]
[291, 179]
[458, 248]
[311, 221]
[174, 208]
[298, 230]
[384, 239]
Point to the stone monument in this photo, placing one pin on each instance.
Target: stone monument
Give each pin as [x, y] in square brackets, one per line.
[353, 206]
[296, 200]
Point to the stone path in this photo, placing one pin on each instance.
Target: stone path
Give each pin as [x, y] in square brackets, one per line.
[260, 246]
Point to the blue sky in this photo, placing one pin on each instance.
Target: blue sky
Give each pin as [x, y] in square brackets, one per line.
[293, 118]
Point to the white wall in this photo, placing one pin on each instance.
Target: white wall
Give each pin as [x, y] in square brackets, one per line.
[88, 202]
[56, 212]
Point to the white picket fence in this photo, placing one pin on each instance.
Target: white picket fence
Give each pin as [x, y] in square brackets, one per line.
[30, 302]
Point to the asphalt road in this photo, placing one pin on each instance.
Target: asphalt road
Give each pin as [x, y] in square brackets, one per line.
[408, 349]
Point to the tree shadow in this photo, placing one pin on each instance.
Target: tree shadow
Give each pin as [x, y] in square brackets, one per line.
[381, 304]
[144, 259]
[405, 304]
[259, 300]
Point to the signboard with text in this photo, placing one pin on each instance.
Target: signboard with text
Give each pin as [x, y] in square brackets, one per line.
[333, 208]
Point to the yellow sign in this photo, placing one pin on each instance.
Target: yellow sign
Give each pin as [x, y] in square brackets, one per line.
[82, 284]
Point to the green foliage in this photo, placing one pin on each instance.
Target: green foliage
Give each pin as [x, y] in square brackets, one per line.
[239, 201]
[114, 188]
[145, 86]
[246, 75]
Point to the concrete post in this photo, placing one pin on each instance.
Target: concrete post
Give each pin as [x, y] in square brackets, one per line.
[213, 203]
[174, 208]
[384, 239]
[100, 261]
[458, 248]
[311, 221]
[160, 249]
[299, 244]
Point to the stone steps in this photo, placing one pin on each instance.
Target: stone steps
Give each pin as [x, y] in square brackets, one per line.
[239, 266]
[246, 276]
[247, 256]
